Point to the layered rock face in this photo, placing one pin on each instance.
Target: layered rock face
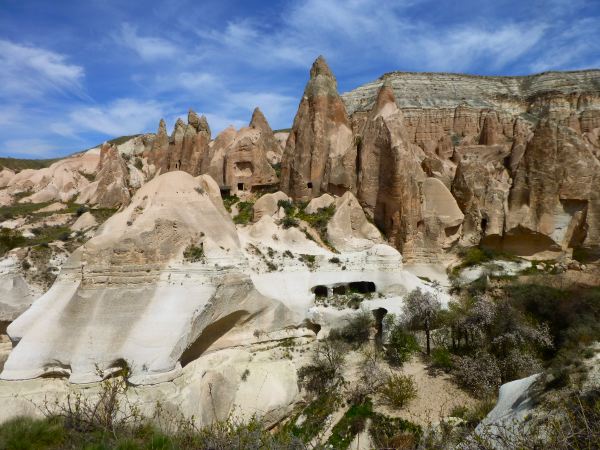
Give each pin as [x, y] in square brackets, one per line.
[320, 153]
[514, 158]
[115, 292]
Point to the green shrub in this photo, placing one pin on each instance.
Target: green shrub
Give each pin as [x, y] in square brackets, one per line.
[400, 346]
[393, 432]
[31, 434]
[288, 207]
[244, 213]
[441, 358]
[398, 390]
[229, 201]
[352, 423]
[193, 253]
[289, 222]
[10, 239]
[309, 260]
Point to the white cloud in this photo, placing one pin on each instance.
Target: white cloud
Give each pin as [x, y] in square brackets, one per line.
[118, 118]
[147, 48]
[29, 71]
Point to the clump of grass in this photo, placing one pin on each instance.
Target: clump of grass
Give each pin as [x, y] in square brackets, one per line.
[229, 201]
[309, 260]
[244, 213]
[193, 253]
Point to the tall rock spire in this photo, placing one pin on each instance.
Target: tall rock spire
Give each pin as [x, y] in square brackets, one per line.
[320, 154]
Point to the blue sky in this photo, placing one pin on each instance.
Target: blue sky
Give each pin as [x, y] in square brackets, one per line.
[75, 73]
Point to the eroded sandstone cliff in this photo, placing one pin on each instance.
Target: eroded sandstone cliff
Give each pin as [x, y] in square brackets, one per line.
[516, 158]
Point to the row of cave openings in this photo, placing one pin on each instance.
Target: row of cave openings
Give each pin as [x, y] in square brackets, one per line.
[359, 287]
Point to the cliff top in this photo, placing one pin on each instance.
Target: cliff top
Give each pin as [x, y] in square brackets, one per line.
[448, 90]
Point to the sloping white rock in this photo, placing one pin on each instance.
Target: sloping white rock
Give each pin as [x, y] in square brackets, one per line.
[317, 203]
[349, 230]
[84, 222]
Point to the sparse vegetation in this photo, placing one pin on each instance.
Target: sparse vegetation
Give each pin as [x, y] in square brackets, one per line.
[229, 201]
[244, 213]
[309, 260]
[193, 253]
[400, 345]
[398, 390]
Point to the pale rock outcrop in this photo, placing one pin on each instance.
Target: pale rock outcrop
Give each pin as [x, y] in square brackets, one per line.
[390, 174]
[320, 153]
[15, 294]
[317, 203]
[441, 213]
[84, 222]
[349, 230]
[473, 134]
[5, 176]
[62, 181]
[481, 189]
[270, 144]
[110, 186]
[129, 294]
[554, 202]
[267, 205]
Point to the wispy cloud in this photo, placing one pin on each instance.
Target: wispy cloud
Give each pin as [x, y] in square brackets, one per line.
[29, 71]
[148, 48]
[233, 55]
[117, 118]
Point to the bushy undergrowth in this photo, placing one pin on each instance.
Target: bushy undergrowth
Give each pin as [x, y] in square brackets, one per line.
[294, 212]
[193, 253]
[244, 213]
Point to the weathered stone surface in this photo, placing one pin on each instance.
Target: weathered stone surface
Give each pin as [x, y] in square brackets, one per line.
[320, 154]
[474, 134]
[349, 230]
[186, 149]
[110, 187]
[267, 205]
[239, 158]
[317, 203]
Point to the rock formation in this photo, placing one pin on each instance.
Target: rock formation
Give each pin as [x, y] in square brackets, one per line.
[62, 181]
[237, 160]
[186, 149]
[110, 186]
[320, 154]
[349, 230]
[508, 148]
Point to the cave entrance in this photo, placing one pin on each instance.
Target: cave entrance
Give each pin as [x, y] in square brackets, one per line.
[320, 291]
[362, 287]
[340, 290]
[309, 185]
[240, 186]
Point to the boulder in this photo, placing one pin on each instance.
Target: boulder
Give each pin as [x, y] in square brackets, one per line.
[267, 205]
[317, 203]
[84, 222]
[349, 230]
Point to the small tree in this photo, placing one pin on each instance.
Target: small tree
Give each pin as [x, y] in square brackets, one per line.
[420, 312]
